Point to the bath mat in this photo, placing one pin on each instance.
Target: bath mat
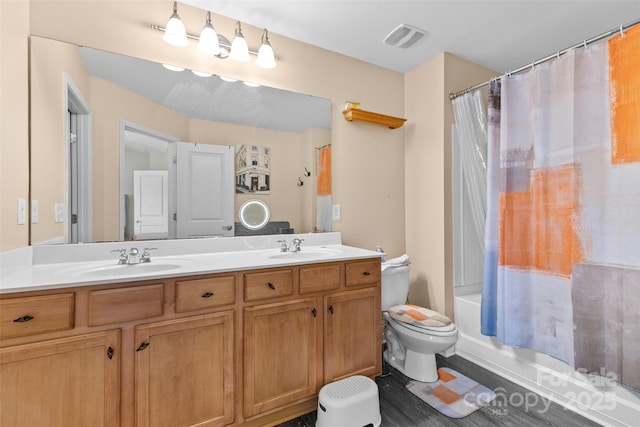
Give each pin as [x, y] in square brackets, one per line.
[454, 395]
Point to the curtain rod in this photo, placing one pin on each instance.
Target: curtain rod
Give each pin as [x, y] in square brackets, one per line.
[610, 33]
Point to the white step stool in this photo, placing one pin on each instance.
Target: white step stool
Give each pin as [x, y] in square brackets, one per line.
[350, 402]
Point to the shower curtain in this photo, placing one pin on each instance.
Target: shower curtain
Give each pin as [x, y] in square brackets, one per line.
[323, 190]
[472, 139]
[562, 238]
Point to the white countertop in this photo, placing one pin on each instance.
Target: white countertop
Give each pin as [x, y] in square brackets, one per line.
[52, 268]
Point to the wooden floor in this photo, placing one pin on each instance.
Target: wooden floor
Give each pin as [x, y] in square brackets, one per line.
[400, 408]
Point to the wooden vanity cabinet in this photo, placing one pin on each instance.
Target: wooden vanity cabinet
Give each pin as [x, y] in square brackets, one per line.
[327, 330]
[280, 349]
[184, 371]
[349, 346]
[238, 348]
[72, 381]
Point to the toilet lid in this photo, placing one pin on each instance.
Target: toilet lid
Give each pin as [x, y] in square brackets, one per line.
[420, 317]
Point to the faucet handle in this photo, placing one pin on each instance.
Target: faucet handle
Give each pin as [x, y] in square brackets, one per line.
[124, 258]
[283, 245]
[146, 257]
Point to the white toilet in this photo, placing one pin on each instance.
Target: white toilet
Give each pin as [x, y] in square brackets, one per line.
[411, 347]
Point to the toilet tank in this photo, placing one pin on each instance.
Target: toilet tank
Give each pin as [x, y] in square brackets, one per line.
[395, 286]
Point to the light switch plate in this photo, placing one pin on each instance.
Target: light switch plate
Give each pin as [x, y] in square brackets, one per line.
[34, 211]
[22, 211]
[335, 214]
[59, 212]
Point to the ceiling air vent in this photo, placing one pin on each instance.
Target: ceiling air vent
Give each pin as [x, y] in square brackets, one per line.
[404, 36]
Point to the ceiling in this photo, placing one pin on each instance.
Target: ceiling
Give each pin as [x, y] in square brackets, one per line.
[500, 35]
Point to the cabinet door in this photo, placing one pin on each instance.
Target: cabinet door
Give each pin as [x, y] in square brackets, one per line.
[71, 381]
[279, 354]
[184, 371]
[352, 342]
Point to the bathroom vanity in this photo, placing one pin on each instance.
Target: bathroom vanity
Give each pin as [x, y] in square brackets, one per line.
[248, 341]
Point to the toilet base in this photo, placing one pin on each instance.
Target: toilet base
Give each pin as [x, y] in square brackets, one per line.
[417, 366]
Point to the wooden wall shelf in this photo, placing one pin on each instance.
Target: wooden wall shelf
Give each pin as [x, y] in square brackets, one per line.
[351, 114]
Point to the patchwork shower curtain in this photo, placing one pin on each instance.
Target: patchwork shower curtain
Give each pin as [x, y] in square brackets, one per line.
[562, 238]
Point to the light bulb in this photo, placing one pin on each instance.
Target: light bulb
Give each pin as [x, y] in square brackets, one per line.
[239, 49]
[173, 67]
[201, 73]
[175, 34]
[208, 42]
[266, 56]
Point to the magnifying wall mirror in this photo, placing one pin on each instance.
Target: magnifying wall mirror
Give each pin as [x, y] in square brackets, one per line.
[254, 214]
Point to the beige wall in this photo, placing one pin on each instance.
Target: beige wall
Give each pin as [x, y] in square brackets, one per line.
[369, 173]
[368, 160]
[429, 206]
[49, 68]
[14, 122]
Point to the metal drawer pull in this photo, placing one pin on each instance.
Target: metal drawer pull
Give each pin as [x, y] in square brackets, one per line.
[23, 319]
[314, 312]
[271, 286]
[110, 353]
[331, 309]
[142, 346]
[366, 273]
[207, 295]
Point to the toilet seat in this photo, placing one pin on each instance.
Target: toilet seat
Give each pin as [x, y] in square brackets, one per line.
[421, 318]
[440, 331]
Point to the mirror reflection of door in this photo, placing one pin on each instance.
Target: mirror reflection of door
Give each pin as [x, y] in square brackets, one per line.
[198, 189]
[77, 214]
[205, 198]
[150, 205]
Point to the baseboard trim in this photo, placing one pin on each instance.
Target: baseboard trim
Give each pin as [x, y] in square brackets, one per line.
[589, 396]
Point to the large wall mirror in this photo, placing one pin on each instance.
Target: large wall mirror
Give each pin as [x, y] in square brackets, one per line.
[118, 144]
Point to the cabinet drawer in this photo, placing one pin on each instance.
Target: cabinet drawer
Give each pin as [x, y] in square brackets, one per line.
[269, 284]
[363, 272]
[320, 278]
[205, 293]
[124, 304]
[36, 315]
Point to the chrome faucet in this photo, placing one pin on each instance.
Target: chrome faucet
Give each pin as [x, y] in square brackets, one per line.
[283, 245]
[134, 256]
[295, 245]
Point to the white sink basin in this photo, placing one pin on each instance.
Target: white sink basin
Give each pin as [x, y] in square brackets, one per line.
[303, 254]
[103, 270]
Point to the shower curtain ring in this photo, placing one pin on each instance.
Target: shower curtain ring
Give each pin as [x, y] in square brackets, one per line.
[585, 44]
[621, 31]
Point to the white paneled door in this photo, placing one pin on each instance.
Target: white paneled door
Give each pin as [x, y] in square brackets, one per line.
[204, 190]
[150, 204]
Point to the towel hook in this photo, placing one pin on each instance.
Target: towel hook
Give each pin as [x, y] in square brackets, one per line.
[300, 183]
[306, 172]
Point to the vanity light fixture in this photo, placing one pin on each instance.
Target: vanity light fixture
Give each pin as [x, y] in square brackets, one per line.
[175, 34]
[208, 42]
[266, 56]
[239, 49]
[212, 43]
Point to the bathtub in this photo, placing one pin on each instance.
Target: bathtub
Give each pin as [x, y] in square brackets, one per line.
[595, 397]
